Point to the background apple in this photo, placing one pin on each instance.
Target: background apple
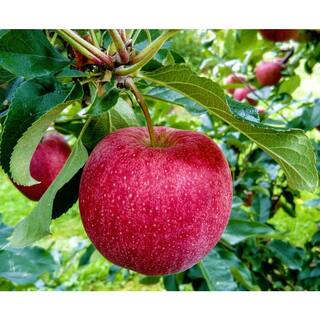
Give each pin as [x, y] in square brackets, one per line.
[268, 73]
[47, 161]
[234, 78]
[156, 210]
[241, 94]
[277, 35]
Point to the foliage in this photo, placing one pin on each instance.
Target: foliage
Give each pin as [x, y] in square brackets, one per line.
[272, 239]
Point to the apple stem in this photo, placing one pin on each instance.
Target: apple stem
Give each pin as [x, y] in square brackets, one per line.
[288, 56]
[130, 85]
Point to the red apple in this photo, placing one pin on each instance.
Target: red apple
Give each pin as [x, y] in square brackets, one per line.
[268, 73]
[47, 161]
[241, 94]
[155, 210]
[234, 78]
[279, 35]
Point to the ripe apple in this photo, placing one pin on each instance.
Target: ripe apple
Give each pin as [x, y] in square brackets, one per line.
[234, 78]
[280, 35]
[47, 161]
[155, 210]
[241, 94]
[268, 73]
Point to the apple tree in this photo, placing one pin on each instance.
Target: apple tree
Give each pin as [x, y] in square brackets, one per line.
[237, 86]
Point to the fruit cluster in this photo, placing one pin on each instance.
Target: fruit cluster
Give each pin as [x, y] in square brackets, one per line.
[268, 73]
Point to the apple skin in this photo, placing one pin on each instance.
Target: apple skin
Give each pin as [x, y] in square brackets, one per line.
[241, 94]
[280, 35]
[155, 210]
[268, 73]
[234, 78]
[47, 161]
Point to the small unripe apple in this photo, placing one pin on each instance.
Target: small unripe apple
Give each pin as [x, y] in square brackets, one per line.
[241, 94]
[280, 35]
[234, 78]
[155, 210]
[47, 161]
[268, 73]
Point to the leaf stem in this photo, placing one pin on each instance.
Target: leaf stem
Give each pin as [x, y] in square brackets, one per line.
[120, 45]
[130, 85]
[143, 57]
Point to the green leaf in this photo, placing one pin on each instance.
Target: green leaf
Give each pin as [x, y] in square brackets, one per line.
[66, 196]
[68, 73]
[310, 273]
[165, 94]
[24, 266]
[290, 85]
[28, 53]
[311, 115]
[72, 126]
[26, 145]
[243, 110]
[290, 148]
[262, 205]
[223, 271]
[120, 116]
[5, 232]
[289, 255]
[5, 76]
[31, 101]
[12, 88]
[216, 272]
[238, 42]
[105, 102]
[148, 280]
[239, 230]
[36, 224]
[170, 283]
[85, 258]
